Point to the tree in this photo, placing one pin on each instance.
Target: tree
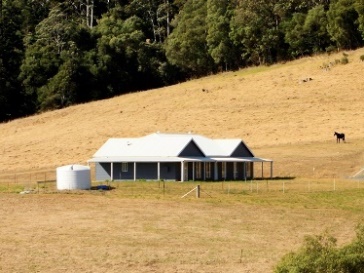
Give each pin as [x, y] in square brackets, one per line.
[186, 47]
[307, 33]
[53, 57]
[343, 24]
[301, 6]
[255, 30]
[118, 45]
[316, 28]
[295, 35]
[359, 7]
[219, 44]
[321, 254]
[147, 10]
[12, 97]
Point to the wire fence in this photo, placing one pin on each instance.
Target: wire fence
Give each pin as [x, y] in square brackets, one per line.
[230, 189]
[45, 182]
[27, 181]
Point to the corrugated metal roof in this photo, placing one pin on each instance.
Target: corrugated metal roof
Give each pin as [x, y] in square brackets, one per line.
[165, 145]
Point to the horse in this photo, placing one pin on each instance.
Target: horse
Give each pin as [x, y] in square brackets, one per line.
[339, 136]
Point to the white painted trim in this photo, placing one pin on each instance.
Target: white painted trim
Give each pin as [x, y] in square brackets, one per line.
[159, 170]
[112, 171]
[182, 171]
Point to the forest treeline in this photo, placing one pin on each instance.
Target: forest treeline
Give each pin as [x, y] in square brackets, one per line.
[58, 53]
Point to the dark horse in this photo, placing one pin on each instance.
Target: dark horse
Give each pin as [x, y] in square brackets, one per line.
[339, 136]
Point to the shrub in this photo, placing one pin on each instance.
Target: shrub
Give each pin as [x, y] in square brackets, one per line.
[344, 60]
[362, 58]
[320, 254]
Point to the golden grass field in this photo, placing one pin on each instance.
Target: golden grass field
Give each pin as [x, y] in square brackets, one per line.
[276, 113]
[277, 116]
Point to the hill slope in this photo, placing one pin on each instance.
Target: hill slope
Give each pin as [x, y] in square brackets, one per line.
[273, 109]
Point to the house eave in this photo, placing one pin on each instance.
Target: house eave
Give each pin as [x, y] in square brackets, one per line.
[151, 159]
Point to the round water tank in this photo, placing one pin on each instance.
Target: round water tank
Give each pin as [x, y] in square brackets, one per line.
[73, 177]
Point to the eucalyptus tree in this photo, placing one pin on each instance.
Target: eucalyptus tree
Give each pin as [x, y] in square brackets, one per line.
[303, 6]
[53, 60]
[307, 33]
[12, 98]
[87, 11]
[343, 24]
[147, 11]
[295, 36]
[315, 27]
[359, 7]
[157, 16]
[220, 47]
[255, 30]
[118, 45]
[186, 47]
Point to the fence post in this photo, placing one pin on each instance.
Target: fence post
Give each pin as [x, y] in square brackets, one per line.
[198, 191]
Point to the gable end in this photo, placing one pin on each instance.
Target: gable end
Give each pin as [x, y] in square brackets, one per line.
[191, 150]
[242, 151]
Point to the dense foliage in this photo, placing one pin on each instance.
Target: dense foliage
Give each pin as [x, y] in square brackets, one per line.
[320, 254]
[57, 53]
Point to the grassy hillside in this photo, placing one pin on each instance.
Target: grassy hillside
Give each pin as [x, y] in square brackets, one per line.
[146, 227]
[273, 109]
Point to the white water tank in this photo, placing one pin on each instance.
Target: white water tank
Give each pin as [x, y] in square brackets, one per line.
[73, 177]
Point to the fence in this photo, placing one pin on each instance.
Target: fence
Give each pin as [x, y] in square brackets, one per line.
[28, 181]
[203, 189]
[45, 182]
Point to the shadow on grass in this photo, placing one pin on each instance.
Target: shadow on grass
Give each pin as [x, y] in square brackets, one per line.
[247, 180]
[277, 178]
[102, 188]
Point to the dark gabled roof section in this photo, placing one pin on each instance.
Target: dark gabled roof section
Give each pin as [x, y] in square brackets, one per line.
[242, 151]
[191, 149]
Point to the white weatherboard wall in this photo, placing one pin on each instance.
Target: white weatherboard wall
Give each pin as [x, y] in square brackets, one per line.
[73, 177]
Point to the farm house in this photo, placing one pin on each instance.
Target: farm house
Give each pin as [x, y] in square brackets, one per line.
[179, 157]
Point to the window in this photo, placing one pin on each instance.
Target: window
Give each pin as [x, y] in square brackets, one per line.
[124, 167]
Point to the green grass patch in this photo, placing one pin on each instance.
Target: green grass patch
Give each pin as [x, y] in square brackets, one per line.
[266, 193]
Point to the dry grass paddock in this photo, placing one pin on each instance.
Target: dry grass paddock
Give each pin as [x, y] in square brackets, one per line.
[286, 112]
[277, 114]
[109, 232]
